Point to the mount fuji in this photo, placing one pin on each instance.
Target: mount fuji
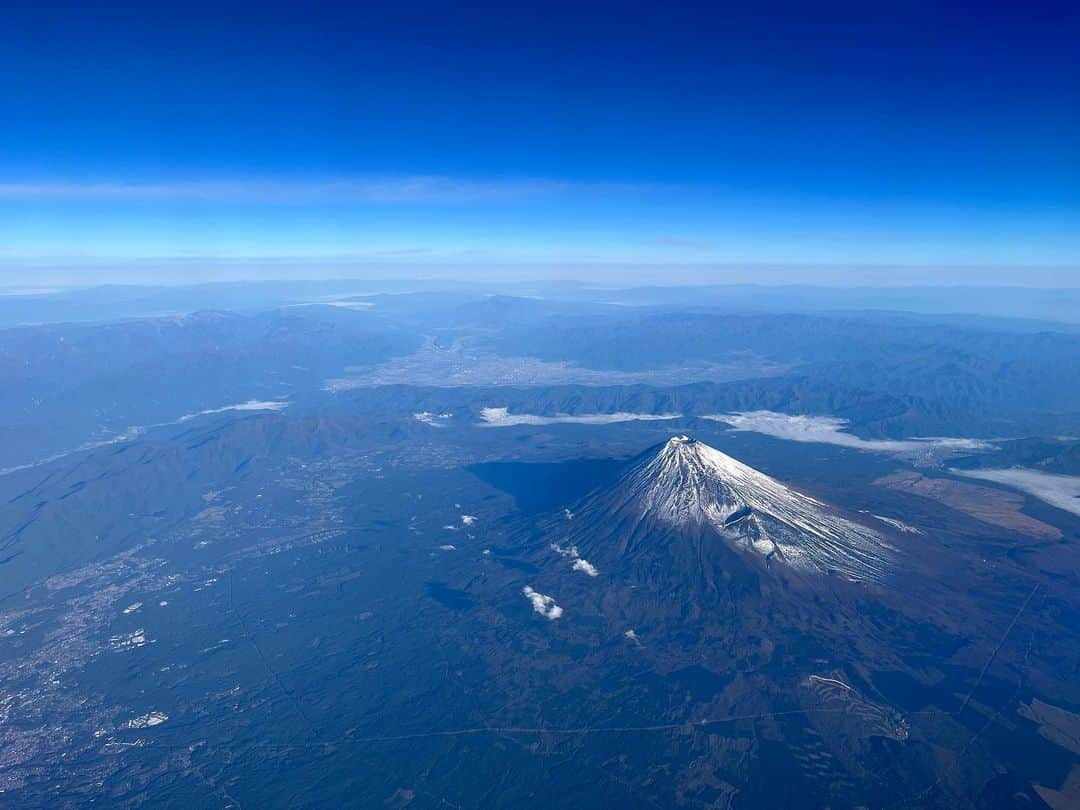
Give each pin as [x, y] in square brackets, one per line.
[685, 492]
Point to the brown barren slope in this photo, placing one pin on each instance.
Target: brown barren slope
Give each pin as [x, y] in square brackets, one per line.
[993, 506]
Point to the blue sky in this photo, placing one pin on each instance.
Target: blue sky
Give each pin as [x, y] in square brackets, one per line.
[916, 134]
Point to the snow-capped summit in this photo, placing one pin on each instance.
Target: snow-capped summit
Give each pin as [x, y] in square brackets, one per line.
[688, 486]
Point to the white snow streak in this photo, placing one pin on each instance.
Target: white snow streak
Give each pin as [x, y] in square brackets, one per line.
[899, 525]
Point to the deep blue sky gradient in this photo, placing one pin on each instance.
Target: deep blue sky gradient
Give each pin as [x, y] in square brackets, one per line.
[897, 133]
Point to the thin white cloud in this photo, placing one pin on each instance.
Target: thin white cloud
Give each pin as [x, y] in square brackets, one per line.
[832, 430]
[30, 291]
[135, 431]
[250, 405]
[501, 417]
[468, 520]
[437, 420]
[542, 603]
[128, 435]
[417, 189]
[1062, 491]
[359, 306]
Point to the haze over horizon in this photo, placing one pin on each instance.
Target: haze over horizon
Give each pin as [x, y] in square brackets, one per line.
[42, 277]
[783, 145]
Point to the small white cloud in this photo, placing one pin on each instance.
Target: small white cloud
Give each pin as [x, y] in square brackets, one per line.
[579, 564]
[437, 420]
[468, 520]
[630, 634]
[585, 566]
[542, 603]
[501, 417]
[148, 720]
[447, 547]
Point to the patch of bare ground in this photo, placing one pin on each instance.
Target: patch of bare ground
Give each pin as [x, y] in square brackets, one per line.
[989, 505]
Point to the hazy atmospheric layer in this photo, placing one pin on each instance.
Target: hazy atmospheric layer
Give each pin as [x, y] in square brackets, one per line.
[463, 364]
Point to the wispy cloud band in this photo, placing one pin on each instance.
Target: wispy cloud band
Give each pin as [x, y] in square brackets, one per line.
[832, 430]
[432, 189]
